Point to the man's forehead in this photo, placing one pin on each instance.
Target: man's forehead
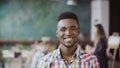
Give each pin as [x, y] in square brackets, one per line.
[67, 22]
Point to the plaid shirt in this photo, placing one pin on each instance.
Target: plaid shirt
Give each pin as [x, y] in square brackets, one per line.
[37, 55]
[80, 59]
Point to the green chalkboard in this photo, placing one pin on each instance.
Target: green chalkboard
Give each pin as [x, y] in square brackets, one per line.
[33, 19]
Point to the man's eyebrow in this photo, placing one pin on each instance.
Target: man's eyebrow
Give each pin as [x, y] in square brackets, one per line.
[70, 26]
[73, 26]
[62, 27]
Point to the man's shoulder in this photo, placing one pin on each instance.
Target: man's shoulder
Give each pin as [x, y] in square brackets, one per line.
[50, 56]
[87, 57]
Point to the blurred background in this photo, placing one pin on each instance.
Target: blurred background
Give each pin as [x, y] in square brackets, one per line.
[24, 24]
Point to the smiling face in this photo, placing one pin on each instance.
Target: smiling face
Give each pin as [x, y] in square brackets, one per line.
[67, 32]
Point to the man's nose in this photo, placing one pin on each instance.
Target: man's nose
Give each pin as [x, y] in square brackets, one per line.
[68, 32]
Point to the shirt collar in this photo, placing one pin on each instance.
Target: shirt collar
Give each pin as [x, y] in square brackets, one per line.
[75, 55]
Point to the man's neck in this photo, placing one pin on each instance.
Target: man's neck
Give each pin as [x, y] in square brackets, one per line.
[67, 53]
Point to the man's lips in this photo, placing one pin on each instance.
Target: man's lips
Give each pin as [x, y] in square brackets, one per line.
[68, 39]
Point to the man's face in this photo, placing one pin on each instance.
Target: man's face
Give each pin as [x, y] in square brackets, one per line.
[67, 32]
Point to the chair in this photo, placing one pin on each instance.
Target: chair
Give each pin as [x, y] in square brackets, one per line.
[113, 43]
[2, 63]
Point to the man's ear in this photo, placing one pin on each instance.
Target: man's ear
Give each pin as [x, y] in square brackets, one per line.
[56, 33]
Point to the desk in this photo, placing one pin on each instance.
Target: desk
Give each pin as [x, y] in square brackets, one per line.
[12, 62]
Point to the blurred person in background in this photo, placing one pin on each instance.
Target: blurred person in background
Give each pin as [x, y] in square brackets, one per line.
[89, 48]
[68, 54]
[39, 50]
[100, 44]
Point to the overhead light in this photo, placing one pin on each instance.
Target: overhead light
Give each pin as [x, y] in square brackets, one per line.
[71, 2]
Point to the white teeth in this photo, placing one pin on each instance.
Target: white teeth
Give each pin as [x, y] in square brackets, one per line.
[68, 39]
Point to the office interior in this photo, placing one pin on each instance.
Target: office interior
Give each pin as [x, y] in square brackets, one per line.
[24, 24]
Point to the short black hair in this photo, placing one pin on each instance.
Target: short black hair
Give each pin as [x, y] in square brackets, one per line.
[67, 15]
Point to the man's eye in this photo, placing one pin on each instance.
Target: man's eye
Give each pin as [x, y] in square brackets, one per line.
[62, 29]
[73, 28]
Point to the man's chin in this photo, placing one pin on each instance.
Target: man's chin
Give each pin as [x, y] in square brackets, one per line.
[68, 45]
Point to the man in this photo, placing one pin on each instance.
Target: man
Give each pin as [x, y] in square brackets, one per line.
[68, 54]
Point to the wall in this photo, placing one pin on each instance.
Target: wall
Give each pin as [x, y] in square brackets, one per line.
[32, 19]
